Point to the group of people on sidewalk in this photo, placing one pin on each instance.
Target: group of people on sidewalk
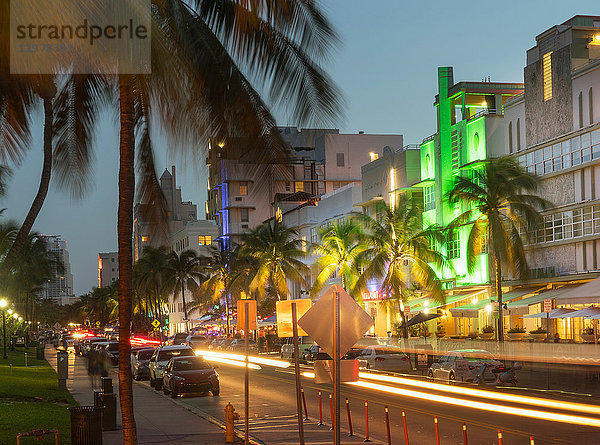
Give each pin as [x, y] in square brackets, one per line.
[98, 365]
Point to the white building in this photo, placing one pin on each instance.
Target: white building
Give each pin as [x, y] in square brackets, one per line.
[108, 268]
[59, 288]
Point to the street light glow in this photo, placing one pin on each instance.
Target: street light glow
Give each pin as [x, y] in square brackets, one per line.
[3, 303]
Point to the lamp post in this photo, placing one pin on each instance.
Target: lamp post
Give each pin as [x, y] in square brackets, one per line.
[3, 305]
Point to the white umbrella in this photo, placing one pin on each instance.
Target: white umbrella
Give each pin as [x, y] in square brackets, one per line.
[587, 312]
[559, 312]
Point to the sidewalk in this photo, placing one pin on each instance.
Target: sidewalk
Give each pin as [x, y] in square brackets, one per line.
[159, 420]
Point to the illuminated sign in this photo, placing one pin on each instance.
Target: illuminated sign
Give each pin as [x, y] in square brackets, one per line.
[373, 296]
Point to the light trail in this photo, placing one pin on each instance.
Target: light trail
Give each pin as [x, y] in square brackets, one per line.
[232, 362]
[242, 357]
[536, 401]
[498, 409]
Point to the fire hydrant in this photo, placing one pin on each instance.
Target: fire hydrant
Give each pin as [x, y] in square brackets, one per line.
[230, 417]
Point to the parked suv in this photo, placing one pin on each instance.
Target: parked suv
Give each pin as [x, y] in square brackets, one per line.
[161, 357]
[287, 350]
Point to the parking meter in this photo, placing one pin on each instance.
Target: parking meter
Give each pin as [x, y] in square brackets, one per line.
[62, 369]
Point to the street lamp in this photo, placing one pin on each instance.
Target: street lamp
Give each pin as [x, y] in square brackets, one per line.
[3, 304]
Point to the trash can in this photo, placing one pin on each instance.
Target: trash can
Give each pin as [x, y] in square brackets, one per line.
[109, 415]
[97, 394]
[39, 351]
[86, 425]
[107, 387]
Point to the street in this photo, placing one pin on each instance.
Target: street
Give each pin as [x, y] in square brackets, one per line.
[273, 409]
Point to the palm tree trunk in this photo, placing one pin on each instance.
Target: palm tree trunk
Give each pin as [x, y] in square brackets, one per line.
[38, 201]
[185, 315]
[499, 295]
[125, 234]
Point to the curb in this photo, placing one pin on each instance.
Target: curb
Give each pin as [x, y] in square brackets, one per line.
[240, 433]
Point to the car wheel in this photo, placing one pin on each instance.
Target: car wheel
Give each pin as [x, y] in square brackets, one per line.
[136, 376]
[216, 392]
[430, 374]
[452, 377]
[173, 394]
[151, 382]
[165, 390]
[158, 385]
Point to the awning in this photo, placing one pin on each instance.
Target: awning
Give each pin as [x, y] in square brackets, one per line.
[587, 312]
[420, 318]
[559, 312]
[535, 299]
[471, 310]
[588, 293]
[418, 305]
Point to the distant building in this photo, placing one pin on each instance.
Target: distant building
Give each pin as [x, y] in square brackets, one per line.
[60, 287]
[178, 212]
[242, 191]
[108, 268]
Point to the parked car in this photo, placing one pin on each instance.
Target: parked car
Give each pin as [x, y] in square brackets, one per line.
[177, 339]
[66, 342]
[195, 341]
[112, 350]
[215, 343]
[224, 344]
[315, 352]
[287, 349]
[89, 343]
[161, 357]
[139, 363]
[445, 367]
[239, 345]
[185, 375]
[384, 358]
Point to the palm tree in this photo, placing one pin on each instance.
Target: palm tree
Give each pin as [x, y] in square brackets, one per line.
[150, 277]
[279, 43]
[274, 250]
[184, 271]
[500, 201]
[399, 251]
[340, 246]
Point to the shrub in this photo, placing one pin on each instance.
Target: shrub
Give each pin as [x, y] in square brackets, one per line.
[488, 329]
[472, 335]
[588, 331]
[516, 330]
[539, 330]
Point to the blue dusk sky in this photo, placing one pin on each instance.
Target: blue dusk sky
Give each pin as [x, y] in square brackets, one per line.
[386, 67]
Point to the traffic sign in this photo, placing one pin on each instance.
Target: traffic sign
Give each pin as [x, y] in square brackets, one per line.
[547, 305]
[155, 323]
[406, 311]
[241, 314]
[354, 321]
[284, 316]
[98, 324]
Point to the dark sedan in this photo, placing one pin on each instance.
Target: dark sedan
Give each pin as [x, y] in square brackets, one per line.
[139, 363]
[186, 375]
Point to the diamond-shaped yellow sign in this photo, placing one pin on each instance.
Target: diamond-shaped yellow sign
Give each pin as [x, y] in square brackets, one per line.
[155, 323]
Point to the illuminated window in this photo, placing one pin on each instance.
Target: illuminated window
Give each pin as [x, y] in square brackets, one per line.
[429, 197]
[243, 188]
[547, 75]
[299, 186]
[144, 239]
[452, 245]
[204, 240]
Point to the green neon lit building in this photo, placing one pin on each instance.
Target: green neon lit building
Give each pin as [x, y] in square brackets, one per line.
[470, 129]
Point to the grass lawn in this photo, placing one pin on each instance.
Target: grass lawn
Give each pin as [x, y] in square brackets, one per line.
[30, 399]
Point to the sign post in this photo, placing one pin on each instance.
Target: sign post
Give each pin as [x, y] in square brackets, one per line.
[246, 317]
[297, 373]
[547, 310]
[350, 322]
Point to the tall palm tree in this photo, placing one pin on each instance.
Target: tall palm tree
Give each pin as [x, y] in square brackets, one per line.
[498, 201]
[184, 271]
[340, 246]
[150, 277]
[275, 251]
[280, 44]
[400, 252]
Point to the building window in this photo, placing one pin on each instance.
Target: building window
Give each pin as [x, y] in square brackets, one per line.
[205, 240]
[429, 197]
[591, 104]
[340, 159]
[299, 186]
[244, 215]
[243, 188]
[314, 234]
[518, 134]
[452, 245]
[547, 75]
[288, 187]
[510, 138]
[144, 239]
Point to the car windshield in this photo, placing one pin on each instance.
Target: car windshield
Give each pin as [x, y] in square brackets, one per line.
[197, 338]
[191, 364]
[167, 355]
[145, 355]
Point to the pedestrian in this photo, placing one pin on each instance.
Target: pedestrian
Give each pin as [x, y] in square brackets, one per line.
[556, 338]
[92, 358]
